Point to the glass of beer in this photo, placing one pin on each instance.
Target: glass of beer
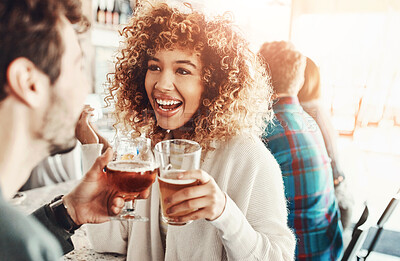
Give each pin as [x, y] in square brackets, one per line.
[131, 173]
[175, 156]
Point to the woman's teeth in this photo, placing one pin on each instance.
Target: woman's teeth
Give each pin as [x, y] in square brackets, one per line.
[167, 102]
[168, 105]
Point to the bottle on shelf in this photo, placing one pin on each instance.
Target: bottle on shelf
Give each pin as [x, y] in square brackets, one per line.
[96, 7]
[126, 11]
[109, 12]
[116, 13]
[101, 8]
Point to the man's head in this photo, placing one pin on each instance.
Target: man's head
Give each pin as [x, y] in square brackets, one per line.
[286, 66]
[40, 66]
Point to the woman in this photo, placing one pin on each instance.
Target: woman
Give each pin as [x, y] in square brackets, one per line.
[182, 75]
[310, 99]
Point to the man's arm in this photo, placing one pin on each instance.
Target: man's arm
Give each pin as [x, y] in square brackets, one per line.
[91, 201]
[44, 215]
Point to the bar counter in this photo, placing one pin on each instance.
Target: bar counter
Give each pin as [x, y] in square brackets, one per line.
[40, 196]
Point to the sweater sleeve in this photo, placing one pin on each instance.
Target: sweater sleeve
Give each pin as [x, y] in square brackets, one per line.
[90, 152]
[259, 230]
[109, 237]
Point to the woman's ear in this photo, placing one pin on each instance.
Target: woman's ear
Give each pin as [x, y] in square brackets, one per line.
[26, 82]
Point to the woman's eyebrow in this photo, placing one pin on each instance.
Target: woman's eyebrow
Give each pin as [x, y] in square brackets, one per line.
[186, 62]
[152, 58]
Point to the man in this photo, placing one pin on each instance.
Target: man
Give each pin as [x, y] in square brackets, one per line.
[297, 144]
[42, 90]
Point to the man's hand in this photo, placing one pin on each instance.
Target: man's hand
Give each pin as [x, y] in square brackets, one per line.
[93, 201]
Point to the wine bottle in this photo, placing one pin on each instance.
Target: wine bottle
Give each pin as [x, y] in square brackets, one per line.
[109, 11]
[124, 7]
[101, 15]
[116, 13]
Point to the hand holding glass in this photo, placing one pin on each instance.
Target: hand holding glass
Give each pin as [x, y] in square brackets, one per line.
[133, 171]
[175, 156]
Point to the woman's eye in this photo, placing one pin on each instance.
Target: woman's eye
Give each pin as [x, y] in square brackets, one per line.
[153, 67]
[183, 71]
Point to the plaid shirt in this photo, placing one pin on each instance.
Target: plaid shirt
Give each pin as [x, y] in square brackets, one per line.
[297, 144]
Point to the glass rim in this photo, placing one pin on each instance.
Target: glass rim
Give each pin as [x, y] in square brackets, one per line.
[130, 139]
[154, 164]
[198, 149]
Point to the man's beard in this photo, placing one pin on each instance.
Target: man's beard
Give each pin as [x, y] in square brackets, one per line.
[62, 149]
[58, 128]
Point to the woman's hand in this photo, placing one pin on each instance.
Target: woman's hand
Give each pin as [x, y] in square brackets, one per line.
[84, 132]
[205, 200]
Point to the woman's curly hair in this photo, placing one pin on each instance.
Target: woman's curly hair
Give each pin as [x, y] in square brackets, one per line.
[237, 92]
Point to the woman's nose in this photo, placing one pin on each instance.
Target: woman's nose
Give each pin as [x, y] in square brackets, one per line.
[165, 81]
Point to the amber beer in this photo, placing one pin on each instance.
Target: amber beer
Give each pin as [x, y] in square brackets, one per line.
[168, 186]
[131, 177]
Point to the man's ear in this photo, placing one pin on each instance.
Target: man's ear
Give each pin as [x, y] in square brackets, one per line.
[25, 81]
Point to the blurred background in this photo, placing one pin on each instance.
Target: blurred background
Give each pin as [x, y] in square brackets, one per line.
[356, 45]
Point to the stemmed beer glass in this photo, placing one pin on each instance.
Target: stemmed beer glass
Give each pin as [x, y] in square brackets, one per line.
[132, 172]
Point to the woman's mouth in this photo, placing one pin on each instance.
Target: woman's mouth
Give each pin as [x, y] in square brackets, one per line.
[167, 105]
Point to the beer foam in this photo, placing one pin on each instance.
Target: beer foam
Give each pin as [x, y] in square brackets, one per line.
[131, 165]
[178, 181]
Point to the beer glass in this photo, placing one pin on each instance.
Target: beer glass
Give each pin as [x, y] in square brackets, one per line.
[175, 156]
[131, 173]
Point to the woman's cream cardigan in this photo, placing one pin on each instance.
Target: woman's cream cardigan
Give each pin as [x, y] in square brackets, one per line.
[252, 227]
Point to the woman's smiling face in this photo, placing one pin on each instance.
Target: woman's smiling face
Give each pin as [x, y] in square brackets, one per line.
[174, 86]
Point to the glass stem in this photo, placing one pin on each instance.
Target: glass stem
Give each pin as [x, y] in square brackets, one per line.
[130, 205]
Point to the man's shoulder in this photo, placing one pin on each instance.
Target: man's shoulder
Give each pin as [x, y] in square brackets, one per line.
[23, 238]
[298, 126]
[296, 120]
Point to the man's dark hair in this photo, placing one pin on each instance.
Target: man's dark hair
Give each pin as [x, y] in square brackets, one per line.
[30, 29]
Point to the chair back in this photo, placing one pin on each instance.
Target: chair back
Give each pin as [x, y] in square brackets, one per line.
[381, 222]
[358, 236]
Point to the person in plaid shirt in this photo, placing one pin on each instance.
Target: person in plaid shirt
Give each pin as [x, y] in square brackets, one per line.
[297, 144]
